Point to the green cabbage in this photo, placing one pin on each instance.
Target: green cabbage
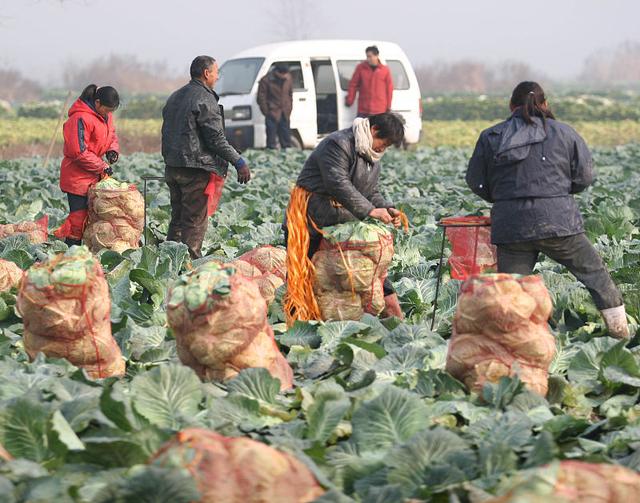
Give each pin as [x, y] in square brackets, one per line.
[195, 288]
[72, 269]
[70, 273]
[357, 230]
[111, 183]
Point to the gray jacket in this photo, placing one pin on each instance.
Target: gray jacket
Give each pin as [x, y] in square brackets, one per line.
[193, 130]
[344, 185]
[529, 173]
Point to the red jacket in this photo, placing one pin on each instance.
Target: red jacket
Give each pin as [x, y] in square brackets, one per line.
[374, 86]
[87, 137]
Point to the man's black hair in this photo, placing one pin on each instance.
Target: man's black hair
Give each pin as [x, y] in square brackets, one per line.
[390, 127]
[372, 49]
[199, 65]
[282, 67]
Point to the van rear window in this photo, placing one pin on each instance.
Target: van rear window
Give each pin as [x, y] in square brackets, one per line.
[398, 73]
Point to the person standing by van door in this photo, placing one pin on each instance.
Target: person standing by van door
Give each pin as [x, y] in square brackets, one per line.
[196, 154]
[373, 83]
[275, 99]
[529, 167]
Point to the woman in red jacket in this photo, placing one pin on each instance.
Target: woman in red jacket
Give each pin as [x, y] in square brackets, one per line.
[89, 135]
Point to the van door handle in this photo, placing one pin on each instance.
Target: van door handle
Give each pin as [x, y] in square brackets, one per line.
[302, 99]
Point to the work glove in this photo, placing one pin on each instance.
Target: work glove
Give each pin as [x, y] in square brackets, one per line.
[108, 171]
[244, 174]
[112, 156]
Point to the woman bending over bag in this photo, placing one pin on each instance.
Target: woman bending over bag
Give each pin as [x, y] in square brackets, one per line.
[89, 135]
[529, 167]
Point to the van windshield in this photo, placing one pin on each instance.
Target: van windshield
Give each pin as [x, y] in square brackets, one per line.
[238, 75]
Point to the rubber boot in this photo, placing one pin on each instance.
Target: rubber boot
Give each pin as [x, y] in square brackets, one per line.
[392, 307]
[71, 242]
[616, 321]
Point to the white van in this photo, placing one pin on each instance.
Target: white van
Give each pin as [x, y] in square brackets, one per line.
[321, 70]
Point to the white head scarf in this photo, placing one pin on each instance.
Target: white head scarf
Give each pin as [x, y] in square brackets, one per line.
[364, 140]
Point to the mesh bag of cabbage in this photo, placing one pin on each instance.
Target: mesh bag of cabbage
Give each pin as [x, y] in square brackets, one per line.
[500, 329]
[350, 267]
[471, 248]
[573, 482]
[37, 231]
[116, 216]
[65, 306]
[10, 275]
[219, 320]
[266, 266]
[238, 470]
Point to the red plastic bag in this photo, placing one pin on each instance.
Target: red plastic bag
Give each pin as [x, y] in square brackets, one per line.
[214, 191]
[471, 249]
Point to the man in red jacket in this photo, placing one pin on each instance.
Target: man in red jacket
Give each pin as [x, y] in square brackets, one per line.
[372, 81]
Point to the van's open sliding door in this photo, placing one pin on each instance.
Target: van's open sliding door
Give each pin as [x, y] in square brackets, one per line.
[326, 95]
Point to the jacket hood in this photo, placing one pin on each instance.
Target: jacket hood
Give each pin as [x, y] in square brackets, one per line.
[81, 106]
[517, 137]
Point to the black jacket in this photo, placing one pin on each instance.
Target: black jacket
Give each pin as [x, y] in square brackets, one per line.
[335, 173]
[193, 131]
[530, 172]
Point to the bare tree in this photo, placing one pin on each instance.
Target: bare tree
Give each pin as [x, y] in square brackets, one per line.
[16, 87]
[292, 19]
[618, 66]
[124, 72]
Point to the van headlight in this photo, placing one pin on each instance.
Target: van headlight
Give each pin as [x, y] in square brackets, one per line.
[242, 113]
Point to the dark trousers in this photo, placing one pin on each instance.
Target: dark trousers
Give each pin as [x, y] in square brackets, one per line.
[576, 253]
[314, 244]
[76, 203]
[278, 129]
[188, 207]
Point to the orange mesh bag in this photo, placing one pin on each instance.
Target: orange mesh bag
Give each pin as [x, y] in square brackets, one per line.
[471, 248]
[351, 265]
[266, 266]
[238, 470]
[115, 218]
[219, 320]
[37, 231]
[576, 482]
[500, 329]
[65, 306]
[10, 275]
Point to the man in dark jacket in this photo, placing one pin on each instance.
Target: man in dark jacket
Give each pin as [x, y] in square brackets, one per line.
[529, 167]
[342, 176]
[195, 152]
[275, 99]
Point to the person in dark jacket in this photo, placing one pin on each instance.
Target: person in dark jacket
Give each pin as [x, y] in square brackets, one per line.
[89, 138]
[529, 167]
[373, 84]
[196, 154]
[341, 179]
[275, 99]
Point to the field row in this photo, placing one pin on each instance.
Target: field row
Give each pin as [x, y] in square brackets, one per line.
[23, 137]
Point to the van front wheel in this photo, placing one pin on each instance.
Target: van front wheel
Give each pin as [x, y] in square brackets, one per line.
[296, 142]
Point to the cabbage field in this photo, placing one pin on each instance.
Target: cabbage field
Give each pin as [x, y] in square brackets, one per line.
[373, 413]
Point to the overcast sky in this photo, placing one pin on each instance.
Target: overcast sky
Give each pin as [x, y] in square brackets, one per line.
[554, 36]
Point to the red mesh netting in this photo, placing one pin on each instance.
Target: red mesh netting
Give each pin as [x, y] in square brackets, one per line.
[70, 321]
[115, 220]
[500, 329]
[238, 470]
[37, 231]
[578, 482]
[471, 248]
[349, 276]
[266, 266]
[10, 275]
[213, 191]
[227, 333]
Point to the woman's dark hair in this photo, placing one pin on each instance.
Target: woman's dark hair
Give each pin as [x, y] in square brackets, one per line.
[107, 95]
[529, 97]
[199, 65]
[390, 127]
[373, 49]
